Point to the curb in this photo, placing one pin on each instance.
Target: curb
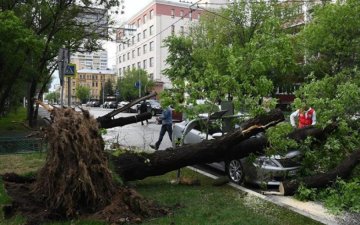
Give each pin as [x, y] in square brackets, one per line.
[309, 209]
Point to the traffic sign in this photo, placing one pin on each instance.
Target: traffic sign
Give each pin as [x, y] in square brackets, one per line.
[138, 84]
[70, 70]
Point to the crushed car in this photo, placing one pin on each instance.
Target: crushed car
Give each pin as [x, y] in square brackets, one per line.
[268, 170]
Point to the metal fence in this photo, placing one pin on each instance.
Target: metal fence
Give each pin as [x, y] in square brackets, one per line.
[9, 145]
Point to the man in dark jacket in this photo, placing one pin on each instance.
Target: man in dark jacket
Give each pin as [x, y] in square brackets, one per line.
[143, 109]
[166, 126]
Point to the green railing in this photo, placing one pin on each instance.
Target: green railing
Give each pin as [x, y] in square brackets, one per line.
[9, 145]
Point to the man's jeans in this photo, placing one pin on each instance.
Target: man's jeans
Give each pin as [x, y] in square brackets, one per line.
[164, 128]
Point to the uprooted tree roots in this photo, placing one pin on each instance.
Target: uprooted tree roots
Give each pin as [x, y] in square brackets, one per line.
[75, 180]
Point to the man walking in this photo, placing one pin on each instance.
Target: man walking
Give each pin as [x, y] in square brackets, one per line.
[166, 125]
[143, 109]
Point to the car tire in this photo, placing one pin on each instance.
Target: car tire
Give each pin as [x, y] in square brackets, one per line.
[153, 113]
[235, 171]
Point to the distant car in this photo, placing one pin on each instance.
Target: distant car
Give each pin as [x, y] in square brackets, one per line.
[111, 105]
[95, 104]
[269, 170]
[153, 106]
[122, 104]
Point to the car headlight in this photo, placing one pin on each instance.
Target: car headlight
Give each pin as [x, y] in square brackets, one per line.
[265, 162]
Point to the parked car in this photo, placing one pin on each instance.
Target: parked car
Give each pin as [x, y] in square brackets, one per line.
[122, 104]
[270, 170]
[93, 104]
[110, 105]
[153, 106]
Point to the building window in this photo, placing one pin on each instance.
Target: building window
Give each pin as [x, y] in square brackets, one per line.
[182, 30]
[151, 75]
[151, 46]
[139, 49]
[144, 18]
[119, 47]
[144, 49]
[139, 65]
[138, 37]
[151, 30]
[144, 33]
[119, 59]
[133, 65]
[119, 71]
[181, 13]
[124, 58]
[144, 64]
[133, 40]
[133, 53]
[172, 29]
[151, 14]
[172, 13]
[128, 55]
[151, 62]
[190, 15]
[138, 22]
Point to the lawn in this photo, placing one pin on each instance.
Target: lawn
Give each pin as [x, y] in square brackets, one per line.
[203, 204]
[13, 121]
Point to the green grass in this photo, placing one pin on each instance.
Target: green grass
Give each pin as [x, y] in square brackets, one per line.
[204, 204]
[13, 120]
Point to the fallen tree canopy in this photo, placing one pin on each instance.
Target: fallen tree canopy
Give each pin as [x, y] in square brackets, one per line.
[343, 171]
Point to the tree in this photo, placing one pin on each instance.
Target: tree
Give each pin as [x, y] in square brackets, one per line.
[127, 84]
[329, 42]
[231, 53]
[53, 97]
[83, 93]
[19, 46]
[53, 23]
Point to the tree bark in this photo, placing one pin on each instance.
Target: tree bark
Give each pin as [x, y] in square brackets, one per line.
[105, 122]
[343, 170]
[311, 131]
[238, 144]
[108, 121]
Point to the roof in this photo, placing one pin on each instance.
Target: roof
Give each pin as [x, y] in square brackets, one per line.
[97, 71]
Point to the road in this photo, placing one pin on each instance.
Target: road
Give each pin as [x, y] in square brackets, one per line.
[132, 135]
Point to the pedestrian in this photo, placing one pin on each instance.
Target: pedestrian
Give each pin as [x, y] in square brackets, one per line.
[306, 116]
[166, 125]
[143, 109]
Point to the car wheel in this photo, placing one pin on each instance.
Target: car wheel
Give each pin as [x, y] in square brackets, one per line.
[235, 171]
[153, 113]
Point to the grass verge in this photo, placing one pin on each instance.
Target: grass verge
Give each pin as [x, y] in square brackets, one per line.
[12, 121]
[204, 204]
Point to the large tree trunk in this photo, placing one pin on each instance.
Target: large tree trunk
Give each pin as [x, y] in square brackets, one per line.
[122, 121]
[343, 170]
[108, 121]
[311, 131]
[133, 166]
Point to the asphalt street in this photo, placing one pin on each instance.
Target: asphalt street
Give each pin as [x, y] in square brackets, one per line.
[132, 135]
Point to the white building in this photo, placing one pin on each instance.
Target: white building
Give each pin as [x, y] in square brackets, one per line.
[141, 37]
[94, 60]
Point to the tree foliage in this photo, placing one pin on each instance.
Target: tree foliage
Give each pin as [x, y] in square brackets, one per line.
[126, 85]
[53, 97]
[52, 24]
[83, 93]
[231, 54]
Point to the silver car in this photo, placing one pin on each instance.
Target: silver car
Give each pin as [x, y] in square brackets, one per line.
[268, 170]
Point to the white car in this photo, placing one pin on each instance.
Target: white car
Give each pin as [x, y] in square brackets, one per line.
[269, 170]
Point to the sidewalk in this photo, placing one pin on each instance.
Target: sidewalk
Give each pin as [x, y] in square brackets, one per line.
[313, 210]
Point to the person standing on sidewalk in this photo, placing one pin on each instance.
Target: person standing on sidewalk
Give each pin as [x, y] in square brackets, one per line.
[166, 125]
[143, 109]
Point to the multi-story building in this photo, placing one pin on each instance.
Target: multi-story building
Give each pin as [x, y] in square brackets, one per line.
[90, 60]
[141, 38]
[94, 79]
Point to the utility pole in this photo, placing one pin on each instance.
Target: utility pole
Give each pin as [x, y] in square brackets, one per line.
[63, 60]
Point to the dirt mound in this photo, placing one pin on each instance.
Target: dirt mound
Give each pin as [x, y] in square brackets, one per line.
[75, 180]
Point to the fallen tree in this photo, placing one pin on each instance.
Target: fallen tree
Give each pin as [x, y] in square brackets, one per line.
[237, 144]
[109, 121]
[76, 181]
[343, 171]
